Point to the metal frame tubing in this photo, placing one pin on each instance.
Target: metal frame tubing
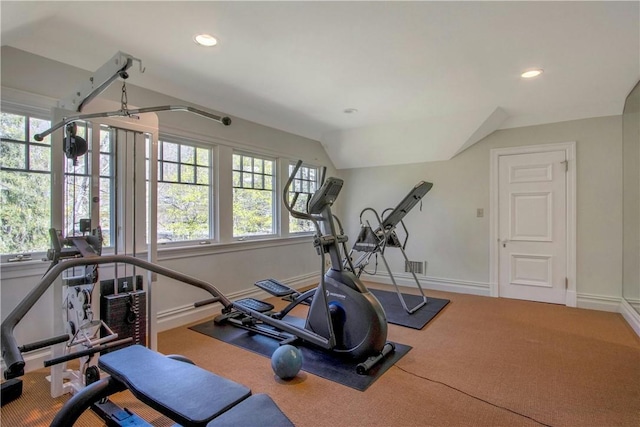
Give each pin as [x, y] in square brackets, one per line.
[80, 402]
[125, 113]
[10, 350]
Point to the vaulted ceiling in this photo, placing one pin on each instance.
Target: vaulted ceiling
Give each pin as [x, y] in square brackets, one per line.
[428, 79]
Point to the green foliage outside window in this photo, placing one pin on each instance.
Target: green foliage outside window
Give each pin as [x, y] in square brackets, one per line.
[184, 192]
[25, 212]
[25, 182]
[252, 212]
[183, 212]
[184, 189]
[253, 196]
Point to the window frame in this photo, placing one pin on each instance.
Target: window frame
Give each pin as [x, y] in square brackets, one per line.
[111, 177]
[211, 192]
[39, 114]
[221, 229]
[275, 198]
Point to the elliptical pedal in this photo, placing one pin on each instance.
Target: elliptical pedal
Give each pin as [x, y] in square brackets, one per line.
[255, 304]
[274, 287]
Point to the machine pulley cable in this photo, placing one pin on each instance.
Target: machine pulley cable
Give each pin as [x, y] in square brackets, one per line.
[123, 98]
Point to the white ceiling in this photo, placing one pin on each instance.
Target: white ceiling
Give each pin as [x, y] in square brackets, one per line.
[428, 79]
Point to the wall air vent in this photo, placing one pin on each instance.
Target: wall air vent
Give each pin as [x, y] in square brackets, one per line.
[418, 267]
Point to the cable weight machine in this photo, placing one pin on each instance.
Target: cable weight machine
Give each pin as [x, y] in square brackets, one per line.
[81, 254]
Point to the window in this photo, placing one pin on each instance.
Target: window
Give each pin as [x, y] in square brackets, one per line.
[25, 184]
[305, 183]
[253, 195]
[184, 192]
[107, 175]
[79, 186]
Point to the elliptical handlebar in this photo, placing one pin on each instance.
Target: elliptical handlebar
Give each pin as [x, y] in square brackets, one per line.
[319, 201]
[285, 197]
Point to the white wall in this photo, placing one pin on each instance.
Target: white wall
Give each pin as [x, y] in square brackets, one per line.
[455, 242]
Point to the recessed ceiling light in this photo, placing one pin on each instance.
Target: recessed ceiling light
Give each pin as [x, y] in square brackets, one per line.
[529, 74]
[205, 40]
[350, 110]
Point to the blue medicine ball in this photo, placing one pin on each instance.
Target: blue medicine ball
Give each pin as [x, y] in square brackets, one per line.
[286, 361]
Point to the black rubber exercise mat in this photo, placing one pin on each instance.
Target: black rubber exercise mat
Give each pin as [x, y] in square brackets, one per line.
[397, 315]
[315, 361]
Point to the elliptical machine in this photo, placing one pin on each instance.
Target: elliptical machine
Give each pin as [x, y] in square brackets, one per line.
[344, 317]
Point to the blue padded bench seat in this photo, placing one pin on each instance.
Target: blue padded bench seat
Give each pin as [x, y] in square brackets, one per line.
[256, 411]
[189, 395]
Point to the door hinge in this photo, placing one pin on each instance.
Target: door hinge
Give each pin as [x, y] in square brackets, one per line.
[566, 283]
[566, 165]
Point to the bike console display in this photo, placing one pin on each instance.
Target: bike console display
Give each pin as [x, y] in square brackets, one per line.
[326, 195]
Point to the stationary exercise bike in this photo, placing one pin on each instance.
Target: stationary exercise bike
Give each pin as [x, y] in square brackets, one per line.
[343, 317]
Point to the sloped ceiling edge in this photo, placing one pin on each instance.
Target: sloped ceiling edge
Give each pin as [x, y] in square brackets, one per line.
[415, 141]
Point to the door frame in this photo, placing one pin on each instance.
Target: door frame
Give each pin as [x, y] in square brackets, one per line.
[494, 256]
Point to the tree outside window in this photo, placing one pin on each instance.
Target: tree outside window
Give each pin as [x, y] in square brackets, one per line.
[253, 195]
[25, 185]
[184, 192]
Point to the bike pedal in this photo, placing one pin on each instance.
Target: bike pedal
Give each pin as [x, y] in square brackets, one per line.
[274, 287]
[255, 304]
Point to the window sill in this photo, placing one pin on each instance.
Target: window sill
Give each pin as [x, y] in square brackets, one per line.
[37, 266]
[176, 252]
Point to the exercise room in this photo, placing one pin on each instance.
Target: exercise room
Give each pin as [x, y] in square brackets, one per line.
[314, 213]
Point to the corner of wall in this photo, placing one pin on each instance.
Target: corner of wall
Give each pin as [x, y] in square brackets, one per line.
[631, 316]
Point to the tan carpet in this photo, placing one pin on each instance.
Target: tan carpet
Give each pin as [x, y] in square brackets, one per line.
[482, 362]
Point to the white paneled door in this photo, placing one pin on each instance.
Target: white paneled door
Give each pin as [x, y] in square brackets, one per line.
[533, 226]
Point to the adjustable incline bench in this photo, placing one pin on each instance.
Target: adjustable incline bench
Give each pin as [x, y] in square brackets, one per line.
[183, 392]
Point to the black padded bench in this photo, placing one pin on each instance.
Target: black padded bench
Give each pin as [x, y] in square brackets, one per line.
[183, 392]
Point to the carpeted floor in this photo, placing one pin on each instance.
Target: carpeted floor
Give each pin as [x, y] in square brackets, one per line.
[482, 361]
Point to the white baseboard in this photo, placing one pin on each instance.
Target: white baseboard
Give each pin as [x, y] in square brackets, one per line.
[630, 315]
[180, 316]
[433, 283]
[574, 299]
[183, 315]
[599, 302]
[634, 303]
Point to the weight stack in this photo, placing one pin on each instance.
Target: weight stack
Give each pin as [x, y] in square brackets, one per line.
[126, 315]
